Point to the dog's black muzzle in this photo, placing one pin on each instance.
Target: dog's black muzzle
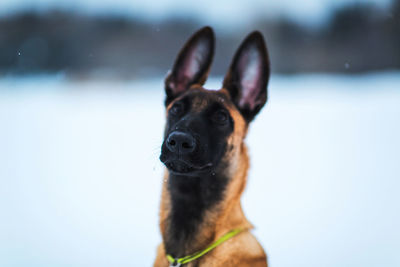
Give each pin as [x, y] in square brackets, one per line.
[177, 154]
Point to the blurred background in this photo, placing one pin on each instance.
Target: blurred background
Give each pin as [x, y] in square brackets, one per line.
[81, 121]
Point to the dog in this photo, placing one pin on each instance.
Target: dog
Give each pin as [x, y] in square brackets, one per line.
[201, 219]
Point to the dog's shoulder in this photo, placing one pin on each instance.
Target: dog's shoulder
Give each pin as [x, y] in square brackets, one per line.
[161, 259]
[242, 250]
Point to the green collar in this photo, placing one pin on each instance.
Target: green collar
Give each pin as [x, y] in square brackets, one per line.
[179, 261]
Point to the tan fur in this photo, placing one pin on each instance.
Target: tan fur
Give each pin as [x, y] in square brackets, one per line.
[241, 250]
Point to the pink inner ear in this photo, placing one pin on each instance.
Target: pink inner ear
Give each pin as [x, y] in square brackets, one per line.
[250, 71]
[194, 59]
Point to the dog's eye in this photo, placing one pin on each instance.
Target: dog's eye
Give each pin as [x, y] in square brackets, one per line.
[176, 109]
[221, 116]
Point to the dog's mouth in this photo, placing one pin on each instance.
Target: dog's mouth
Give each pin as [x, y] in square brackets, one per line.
[181, 167]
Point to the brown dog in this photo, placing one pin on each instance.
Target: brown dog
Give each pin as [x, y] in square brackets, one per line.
[206, 157]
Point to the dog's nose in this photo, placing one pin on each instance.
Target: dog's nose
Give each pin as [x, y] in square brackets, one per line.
[181, 143]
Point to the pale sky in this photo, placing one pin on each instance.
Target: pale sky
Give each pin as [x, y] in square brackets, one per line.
[213, 11]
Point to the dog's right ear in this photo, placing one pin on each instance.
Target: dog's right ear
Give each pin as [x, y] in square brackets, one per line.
[192, 64]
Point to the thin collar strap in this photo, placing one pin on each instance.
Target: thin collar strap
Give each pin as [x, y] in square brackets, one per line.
[179, 261]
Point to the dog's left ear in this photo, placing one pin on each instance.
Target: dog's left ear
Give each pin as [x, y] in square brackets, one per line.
[192, 64]
[248, 76]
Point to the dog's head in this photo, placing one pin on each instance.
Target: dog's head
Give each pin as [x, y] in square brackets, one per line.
[205, 128]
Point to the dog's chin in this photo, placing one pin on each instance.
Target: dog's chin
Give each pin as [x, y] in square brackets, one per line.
[182, 168]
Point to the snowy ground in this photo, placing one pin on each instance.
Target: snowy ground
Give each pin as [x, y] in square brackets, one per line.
[80, 178]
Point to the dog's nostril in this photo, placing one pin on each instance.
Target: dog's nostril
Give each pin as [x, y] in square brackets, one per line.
[186, 145]
[172, 142]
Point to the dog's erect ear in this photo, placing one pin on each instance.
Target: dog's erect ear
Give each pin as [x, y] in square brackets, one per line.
[192, 64]
[248, 76]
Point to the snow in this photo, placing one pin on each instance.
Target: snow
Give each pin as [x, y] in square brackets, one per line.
[80, 177]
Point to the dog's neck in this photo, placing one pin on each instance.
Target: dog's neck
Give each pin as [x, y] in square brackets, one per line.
[196, 211]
